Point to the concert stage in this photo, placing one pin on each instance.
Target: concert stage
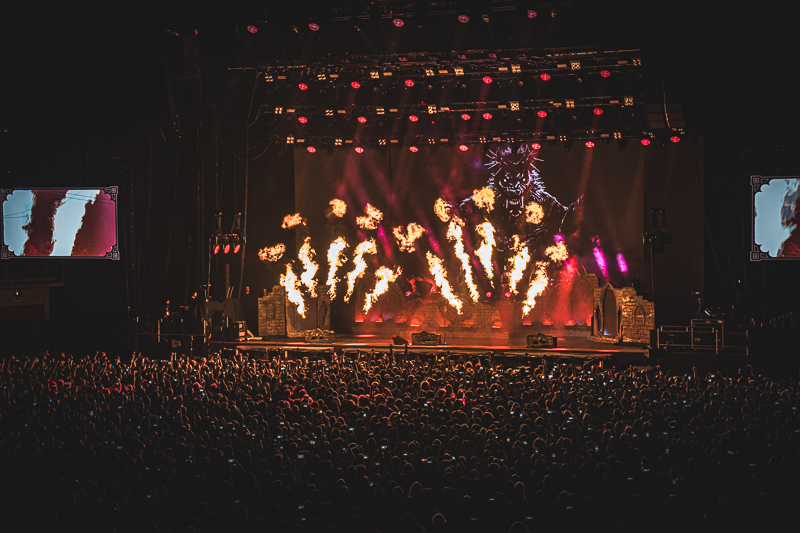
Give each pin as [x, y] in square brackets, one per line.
[570, 349]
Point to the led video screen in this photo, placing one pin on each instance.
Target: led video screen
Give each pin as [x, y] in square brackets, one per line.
[775, 207]
[50, 222]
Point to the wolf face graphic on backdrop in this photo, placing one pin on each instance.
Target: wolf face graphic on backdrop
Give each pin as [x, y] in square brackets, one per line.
[516, 184]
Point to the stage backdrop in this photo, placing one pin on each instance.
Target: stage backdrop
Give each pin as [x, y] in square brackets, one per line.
[592, 198]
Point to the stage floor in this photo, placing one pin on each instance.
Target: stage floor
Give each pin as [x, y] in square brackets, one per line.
[568, 347]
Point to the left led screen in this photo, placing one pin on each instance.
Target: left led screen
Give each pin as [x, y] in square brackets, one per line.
[60, 223]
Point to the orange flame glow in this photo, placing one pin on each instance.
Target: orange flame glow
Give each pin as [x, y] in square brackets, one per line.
[290, 221]
[372, 218]
[440, 277]
[406, 239]
[534, 213]
[290, 282]
[557, 252]
[385, 276]
[455, 233]
[338, 207]
[272, 253]
[484, 251]
[484, 198]
[335, 260]
[442, 209]
[518, 264]
[306, 256]
[366, 247]
[537, 287]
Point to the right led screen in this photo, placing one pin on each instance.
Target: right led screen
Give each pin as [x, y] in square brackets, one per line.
[775, 218]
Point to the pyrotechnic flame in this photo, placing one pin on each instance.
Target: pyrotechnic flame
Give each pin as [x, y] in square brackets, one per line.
[442, 209]
[537, 287]
[440, 276]
[335, 260]
[366, 247]
[290, 221]
[385, 276]
[306, 256]
[484, 198]
[518, 264]
[406, 239]
[272, 253]
[290, 282]
[557, 252]
[338, 207]
[455, 233]
[534, 213]
[372, 218]
[484, 251]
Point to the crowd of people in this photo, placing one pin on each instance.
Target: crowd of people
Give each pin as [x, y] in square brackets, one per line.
[368, 442]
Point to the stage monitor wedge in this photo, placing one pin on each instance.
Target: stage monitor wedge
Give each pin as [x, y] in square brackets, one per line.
[59, 223]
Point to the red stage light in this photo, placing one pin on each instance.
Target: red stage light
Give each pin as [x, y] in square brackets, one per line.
[532, 14]
[463, 147]
[487, 116]
[463, 18]
[488, 294]
[508, 295]
[216, 249]
[413, 118]
[545, 76]
[359, 150]
[313, 27]
[589, 144]
[252, 29]
[465, 116]
[487, 79]
[413, 148]
[598, 111]
[355, 85]
[302, 86]
[236, 248]
[226, 249]
[542, 114]
[362, 119]
[536, 146]
[675, 139]
[311, 149]
[302, 120]
[605, 73]
[398, 22]
[645, 142]
[409, 83]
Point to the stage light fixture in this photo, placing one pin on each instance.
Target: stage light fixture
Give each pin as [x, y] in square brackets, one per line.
[465, 116]
[514, 106]
[605, 73]
[278, 110]
[545, 76]
[413, 118]
[413, 148]
[338, 141]
[216, 248]
[575, 64]
[227, 247]
[487, 79]
[431, 109]
[380, 110]
[362, 120]
[463, 147]
[515, 68]
[302, 120]
[311, 149]
[589, 144]
[268, 78]
[542, 113]
[313, 26]
[290, 139]
[458, 71]
[359, 150]
[463, 19]
[429, 71]
[532, 14]
[675, 139]
[355, 85]
[570, 104]
[597, 111]
[302, 86]
[381, 142]
[645, 142]
[329, 112]
[409, 83]
[487, 116]
[618, 135]
[374, 74]
[536, 146]
[627, 100]
[252, 28]
[398, 22]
